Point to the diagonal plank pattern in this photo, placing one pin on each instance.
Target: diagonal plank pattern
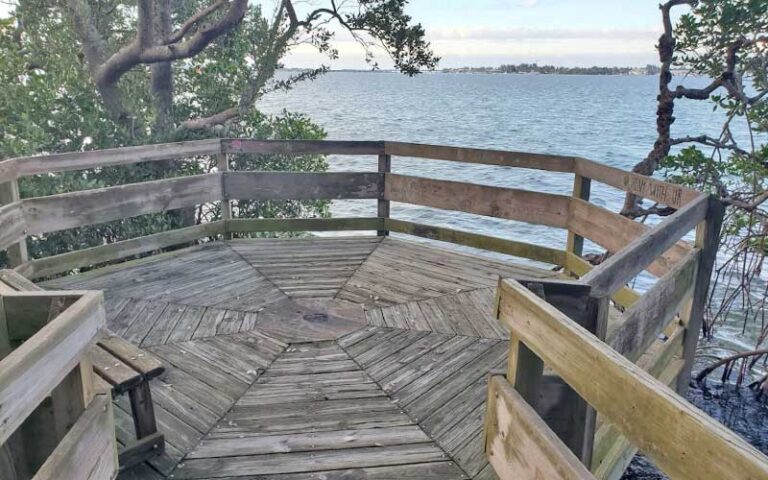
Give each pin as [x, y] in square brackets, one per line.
[202, 380]
[315, 412]
[466, 313]
[401, 271]
[209, 275]
[438, 379]
[307, 267]
[319, 358]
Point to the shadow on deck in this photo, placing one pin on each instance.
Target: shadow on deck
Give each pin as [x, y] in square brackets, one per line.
[346, 357]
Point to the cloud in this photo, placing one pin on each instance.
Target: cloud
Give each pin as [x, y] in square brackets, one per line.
[518, 33]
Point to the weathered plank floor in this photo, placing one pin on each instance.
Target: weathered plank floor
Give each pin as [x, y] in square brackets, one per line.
[312, 358]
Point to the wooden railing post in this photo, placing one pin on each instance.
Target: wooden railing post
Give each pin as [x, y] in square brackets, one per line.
[708, 240]
[581, 190]
[17, 253]
[222, 164]
[385, 166]
[566, 413]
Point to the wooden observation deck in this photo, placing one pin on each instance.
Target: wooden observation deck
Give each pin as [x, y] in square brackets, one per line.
[368, 355]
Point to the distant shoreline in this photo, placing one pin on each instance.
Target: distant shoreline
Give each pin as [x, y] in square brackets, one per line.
[629, 73]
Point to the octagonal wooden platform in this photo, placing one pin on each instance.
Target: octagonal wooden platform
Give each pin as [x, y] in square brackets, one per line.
[318, 358]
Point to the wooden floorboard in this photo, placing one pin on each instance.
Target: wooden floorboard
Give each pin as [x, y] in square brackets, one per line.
[307, 267]
[312, 358]
[400, 271]
[438, 379]
[315, 410]
[201, 382]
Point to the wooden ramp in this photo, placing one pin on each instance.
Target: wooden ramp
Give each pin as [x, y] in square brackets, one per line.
[342, 357]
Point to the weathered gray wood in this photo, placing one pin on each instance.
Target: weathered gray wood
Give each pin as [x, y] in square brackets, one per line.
[32, 371]
[554, 163]
[475, 240]
[302, 147]
[612, 274]
[67, 210]
[62, 162]
[12, 227]
[648, 317]
[385, 166]
[301, 186]
[512, 204]
[45, 267]
[17, 253]
[89, 450]
[519, 444]
[569, 416]
[669, 194]
[581, 190]
[708, 240]
[247, 225]
[614, 232]
[141, 450]
[222, 165]
[663, 425]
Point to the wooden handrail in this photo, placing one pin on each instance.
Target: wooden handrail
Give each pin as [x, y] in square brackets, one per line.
[581, 218]
[503, 158]
[31, 371]
[669, 430]
[635, 257]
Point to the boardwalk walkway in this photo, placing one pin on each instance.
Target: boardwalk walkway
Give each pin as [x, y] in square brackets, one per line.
[333, 358]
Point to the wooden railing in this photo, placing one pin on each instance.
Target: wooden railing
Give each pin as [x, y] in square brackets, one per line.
[673, 306]
[52, 424]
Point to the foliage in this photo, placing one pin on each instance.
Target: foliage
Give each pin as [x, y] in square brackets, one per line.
[53, 108]
[727, 41]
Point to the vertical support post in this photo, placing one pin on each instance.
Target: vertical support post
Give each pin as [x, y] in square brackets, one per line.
[581, 190]
[222, 165]
[707, 239]
[385, 166]
[566, 413]
[17, 253]
[54, 417]
[143, 410]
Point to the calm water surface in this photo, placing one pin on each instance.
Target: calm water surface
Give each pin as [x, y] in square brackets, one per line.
[610, 119]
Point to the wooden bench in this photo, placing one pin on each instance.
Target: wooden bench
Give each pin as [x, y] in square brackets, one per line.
[121, 367]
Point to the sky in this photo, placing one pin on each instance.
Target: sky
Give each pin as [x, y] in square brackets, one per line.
[494, 32]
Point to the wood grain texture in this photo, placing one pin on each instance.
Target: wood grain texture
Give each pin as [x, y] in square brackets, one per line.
[88, 451]
[68, 210]
[635, 257]
[669, 194]
[553, 163]
[649, 316]
[250, 225]
[12, 224]
[642, 408]
[47, 266]
[301, 186]
[31, 372]
[518, 442]
[484, 242]
[522, 205]
[614, 232]
[62, 162]
[302, 147]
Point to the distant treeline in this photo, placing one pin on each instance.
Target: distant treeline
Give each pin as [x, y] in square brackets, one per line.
[553, 70]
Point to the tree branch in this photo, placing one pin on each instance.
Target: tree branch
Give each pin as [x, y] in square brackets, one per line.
[133, 54]
[191, 21]
[710, 142]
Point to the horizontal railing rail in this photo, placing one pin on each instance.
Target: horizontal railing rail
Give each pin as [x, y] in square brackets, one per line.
[670, 431]
[673, 305]
[46, 389]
